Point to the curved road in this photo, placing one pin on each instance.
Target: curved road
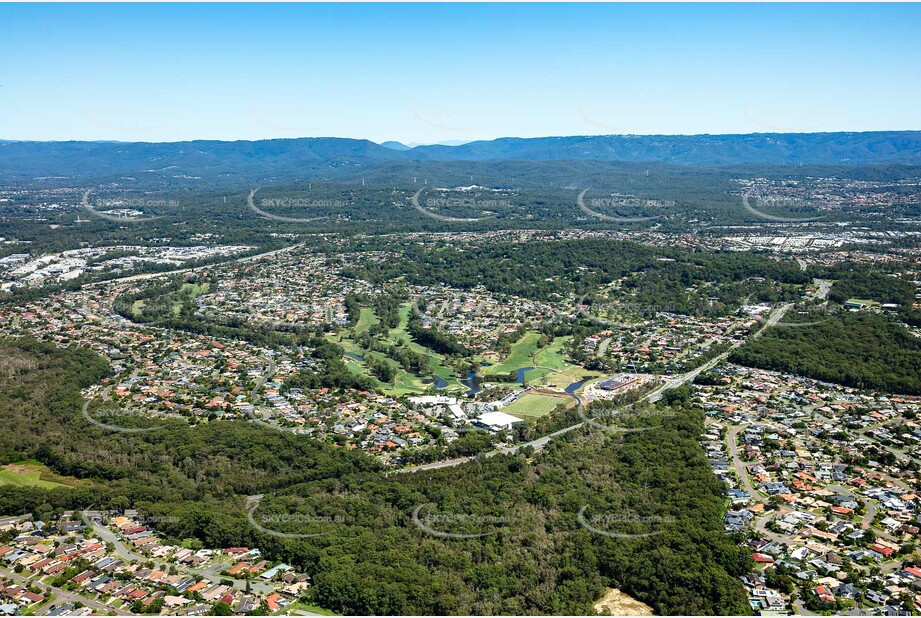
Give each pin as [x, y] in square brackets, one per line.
[652, 396]
[65, 595]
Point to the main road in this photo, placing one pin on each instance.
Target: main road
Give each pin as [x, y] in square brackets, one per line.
[143, 276]
[652, 396]
[675, 382]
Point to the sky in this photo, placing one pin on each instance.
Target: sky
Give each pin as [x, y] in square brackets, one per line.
[425, 73]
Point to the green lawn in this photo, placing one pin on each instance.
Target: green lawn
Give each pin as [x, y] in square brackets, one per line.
[531, 405]
[562, 379]
[195, 291]
[519, 355]
[436, 361]
[366, 319]
[549, 362]
[405, 383]
[552, 356]
[33, 474]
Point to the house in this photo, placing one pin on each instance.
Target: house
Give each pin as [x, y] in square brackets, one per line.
[238, 568]
[825, 595]
[880, 549]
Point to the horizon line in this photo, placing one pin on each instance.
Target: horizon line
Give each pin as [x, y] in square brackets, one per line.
[446, 145]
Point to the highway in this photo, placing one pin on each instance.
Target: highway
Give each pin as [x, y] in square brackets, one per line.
[142, 277]
[537, 444]
[656, 395]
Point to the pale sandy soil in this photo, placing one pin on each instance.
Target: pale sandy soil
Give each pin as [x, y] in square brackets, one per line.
[616, 603]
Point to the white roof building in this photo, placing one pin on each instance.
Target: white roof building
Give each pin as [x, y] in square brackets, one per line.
[498, 420]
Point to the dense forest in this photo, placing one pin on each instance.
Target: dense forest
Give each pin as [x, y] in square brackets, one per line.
[531, 553]
[548, 271]
[862, 350]
[41, 405]
[869, 283]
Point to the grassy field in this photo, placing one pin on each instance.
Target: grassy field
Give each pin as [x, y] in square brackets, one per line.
[406, 383]
[562, 379]
[436, 361]
[552, 356]
[531, 405]
[194, 290]
[519, 355]
[33, 474]
[366, 320]
[550, 364]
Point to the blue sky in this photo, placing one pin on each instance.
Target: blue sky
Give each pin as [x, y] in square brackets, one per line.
[438, 72]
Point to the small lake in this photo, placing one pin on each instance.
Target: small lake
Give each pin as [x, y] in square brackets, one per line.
[572, 388]
[519, 374]
[355, 356]
[439, 382]
[473, 384]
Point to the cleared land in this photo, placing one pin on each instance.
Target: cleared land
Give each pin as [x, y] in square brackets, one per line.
[366, 320]
[531, 405]
[33, 474]
[519, 355]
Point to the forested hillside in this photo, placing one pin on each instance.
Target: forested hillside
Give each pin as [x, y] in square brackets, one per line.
[862, 350]
[290, 158]
[550, 270]
[534, 556]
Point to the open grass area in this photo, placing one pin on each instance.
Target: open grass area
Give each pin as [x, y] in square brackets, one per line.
[34, 474]
[550, 367]
[552, 356]
[405, 383]
[436, 361]
[347, 344]
[561, 379]
[366, 320]
[532, 405]
[519, 355]
[194, 290]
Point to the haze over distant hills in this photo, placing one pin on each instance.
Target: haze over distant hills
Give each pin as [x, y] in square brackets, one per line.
[283, 157]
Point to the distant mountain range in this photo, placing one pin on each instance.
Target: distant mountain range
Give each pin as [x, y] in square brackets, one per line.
[279, 158]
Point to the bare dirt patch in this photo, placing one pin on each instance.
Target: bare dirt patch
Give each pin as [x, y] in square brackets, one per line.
[616, 603]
